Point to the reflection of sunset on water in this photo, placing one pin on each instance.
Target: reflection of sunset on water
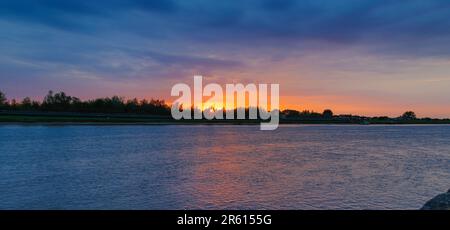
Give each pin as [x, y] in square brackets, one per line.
[223, 167]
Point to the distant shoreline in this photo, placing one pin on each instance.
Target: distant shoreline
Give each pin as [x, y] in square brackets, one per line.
[61, 108]
[132, 119]
[191, 124]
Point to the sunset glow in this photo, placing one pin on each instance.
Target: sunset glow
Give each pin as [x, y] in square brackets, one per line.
[324, 54]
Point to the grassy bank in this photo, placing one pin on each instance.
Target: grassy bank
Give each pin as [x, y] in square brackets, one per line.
[108, 119]
[76, 118]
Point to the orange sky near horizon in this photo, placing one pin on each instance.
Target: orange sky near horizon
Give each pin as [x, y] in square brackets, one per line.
[347, 82]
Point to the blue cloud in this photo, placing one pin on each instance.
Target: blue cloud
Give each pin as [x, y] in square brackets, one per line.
[181, 34]
[334, 21]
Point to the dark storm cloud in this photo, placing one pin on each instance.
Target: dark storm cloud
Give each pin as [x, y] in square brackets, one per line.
[182, 34]
[66, 14]
[344, 21]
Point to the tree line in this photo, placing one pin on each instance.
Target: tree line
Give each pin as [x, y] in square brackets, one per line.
[61, 102]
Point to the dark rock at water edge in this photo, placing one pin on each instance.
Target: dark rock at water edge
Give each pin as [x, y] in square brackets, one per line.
[440, 202]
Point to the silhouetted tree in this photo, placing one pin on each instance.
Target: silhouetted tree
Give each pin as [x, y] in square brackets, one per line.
[132, 106]
[3, 99]
[26, 104]
[59, 102]
[327, 114]
[289, 113]
[306, 114]
[409, 115]
[13, 104]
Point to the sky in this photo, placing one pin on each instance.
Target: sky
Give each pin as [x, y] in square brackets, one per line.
[366, 57]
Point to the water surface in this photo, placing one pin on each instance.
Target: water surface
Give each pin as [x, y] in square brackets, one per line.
[222, 167]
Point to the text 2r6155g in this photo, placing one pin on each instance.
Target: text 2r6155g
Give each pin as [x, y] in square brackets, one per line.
[246, 219]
